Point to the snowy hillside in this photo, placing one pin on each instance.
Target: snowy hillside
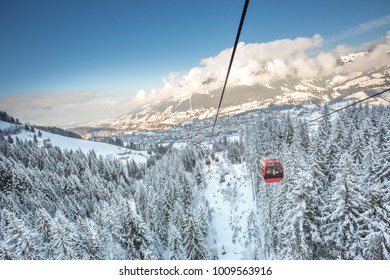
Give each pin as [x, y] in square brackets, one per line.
[85, 146]
[231, 201]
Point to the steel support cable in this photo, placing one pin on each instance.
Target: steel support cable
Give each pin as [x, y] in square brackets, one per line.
[343, 108]
[230, 63]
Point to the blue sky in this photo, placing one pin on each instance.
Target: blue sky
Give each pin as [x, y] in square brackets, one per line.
[113, 49]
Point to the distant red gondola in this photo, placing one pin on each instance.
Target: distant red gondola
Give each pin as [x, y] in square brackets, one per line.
[207, 161]
[271, 170]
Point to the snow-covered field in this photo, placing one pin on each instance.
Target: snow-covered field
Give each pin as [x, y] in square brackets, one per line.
[85, 146]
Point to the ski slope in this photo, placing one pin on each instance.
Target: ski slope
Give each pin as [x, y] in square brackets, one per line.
[231, 202]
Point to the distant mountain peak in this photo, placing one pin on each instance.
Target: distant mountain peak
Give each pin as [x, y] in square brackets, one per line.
[349, 58]
[163, 114]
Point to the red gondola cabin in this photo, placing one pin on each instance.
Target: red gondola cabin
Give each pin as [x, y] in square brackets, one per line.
[271, 170]
[207, 161]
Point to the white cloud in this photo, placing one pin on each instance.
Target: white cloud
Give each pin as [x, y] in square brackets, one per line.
[262, 63]
[141, 96]
[254, 63]
[363, 28]
[377, 57]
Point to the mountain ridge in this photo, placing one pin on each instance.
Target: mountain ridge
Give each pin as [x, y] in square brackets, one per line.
[164, 114]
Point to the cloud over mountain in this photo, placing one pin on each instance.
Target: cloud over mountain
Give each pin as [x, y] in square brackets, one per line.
[263, 63]
[254, 64]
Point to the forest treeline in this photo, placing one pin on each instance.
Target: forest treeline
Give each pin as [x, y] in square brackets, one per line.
[4, 116]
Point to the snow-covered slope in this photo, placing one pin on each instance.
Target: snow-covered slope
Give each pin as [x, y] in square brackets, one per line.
[68, 143]
[229, 193]
[6, 125]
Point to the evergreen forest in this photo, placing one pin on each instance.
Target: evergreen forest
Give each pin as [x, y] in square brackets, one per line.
[333, 203]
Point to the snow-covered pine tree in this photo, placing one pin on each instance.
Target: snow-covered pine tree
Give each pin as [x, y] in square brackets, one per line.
[18, 238]
[325, 125]
[199, 176]
[6, 174]
[64, 238]
[175, 243]
[357, 146]
[87, 245]
[132, 234]
[319, 196]
[254, 242]
[299, 234]
[342, 224]
[289, 130]
[384, 160]
[194, 241]
[376, 217]
[44, 230]
[333, 151]
[376, 222]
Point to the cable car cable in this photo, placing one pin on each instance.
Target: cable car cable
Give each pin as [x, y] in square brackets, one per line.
[343, 108]
[230, 63]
